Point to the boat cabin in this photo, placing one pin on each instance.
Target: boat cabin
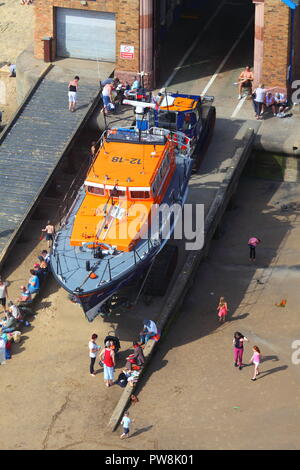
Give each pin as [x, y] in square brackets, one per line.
[130, 173]
[178, 112]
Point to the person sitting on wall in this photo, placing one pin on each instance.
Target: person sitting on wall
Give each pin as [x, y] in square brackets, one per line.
[44, 256]
[134, 88]
[33, 283]
[270, 103]
[281, 104]
[137, 357]
[41, 270]
[149, 330]
[9, 324]
[25, 295]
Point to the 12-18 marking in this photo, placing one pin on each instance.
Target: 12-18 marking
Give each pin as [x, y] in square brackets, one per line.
[133, 161]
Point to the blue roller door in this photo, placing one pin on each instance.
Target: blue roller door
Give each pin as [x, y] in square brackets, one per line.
[85, 34]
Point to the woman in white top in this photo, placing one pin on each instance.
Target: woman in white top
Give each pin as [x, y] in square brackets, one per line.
[259, 99]
[72, 93]
[3, 293]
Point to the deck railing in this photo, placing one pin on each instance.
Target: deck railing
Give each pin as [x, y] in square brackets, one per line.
[108, 265]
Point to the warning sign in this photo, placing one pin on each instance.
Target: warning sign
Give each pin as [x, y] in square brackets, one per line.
[126, 52]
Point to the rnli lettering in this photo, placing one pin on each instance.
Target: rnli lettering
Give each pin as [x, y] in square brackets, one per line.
[133, 161]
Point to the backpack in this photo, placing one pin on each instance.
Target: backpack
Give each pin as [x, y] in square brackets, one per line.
[122, 380]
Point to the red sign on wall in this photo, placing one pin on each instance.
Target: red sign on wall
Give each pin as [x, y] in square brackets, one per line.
[126, 52]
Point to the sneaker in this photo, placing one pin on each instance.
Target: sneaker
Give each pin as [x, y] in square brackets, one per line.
[235, 364]
[94, 375]
[253, 379]
[240, 367]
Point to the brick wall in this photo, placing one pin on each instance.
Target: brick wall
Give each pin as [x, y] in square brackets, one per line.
[276, 43]
[127, 27]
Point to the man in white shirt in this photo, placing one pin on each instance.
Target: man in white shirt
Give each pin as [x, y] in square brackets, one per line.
[44, 256]
[259, 99]
[149, 330]
[93, 351]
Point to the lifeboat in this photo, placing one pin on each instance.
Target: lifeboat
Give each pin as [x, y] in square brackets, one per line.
[116, 226]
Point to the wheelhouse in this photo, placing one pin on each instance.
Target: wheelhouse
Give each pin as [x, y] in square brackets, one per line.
[178, 112]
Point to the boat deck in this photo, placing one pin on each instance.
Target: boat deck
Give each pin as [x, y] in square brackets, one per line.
[32, 147]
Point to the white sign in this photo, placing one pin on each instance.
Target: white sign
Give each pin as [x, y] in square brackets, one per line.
[126, 51]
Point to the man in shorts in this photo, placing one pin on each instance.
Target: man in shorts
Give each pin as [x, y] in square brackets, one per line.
[245, 81]
[107, 97]
[50, 231]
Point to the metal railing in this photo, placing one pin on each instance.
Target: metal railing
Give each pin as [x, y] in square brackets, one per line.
[109, 266]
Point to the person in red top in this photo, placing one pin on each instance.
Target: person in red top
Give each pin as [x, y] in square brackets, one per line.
[107, 356]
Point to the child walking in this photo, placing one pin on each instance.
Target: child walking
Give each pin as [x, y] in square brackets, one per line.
[222, 309]
[126, 421]
[256, 358]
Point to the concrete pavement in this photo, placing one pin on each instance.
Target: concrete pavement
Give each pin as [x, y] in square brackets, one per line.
[198, 400]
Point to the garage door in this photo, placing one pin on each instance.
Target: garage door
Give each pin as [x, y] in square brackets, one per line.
[86, 34]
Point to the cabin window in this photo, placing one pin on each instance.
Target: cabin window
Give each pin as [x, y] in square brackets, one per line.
[189, 121]
[139, 194]
[94, 190]
[117, 193]
[164, 167]
[167, 119]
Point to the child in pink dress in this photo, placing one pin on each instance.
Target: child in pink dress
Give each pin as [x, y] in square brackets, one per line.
[256, 358]
[222, 309]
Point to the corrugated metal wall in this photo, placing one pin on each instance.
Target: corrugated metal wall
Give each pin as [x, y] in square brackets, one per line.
[84, 34]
